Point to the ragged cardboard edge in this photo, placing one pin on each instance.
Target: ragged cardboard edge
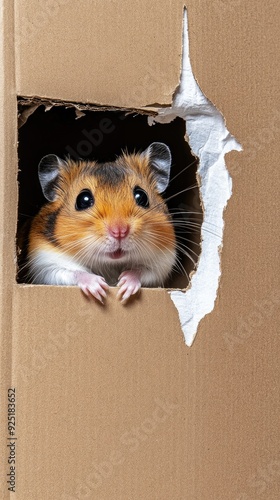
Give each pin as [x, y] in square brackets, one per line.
[209, 140]
[28, 105]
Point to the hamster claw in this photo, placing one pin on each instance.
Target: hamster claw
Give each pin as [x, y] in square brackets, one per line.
[94, 285]
[129, 284]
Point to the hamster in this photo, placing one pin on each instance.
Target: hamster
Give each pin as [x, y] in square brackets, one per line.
[104, 224]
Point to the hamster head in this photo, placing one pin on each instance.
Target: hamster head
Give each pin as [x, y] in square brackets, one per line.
[106, 215]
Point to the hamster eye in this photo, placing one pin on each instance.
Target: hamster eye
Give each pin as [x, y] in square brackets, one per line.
[141, 197]
[84, 200]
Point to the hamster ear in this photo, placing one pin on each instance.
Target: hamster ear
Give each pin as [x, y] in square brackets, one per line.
[48, 172]
[160, 160]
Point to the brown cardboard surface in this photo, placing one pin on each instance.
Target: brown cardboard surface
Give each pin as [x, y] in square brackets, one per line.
[92, 387]
[91, 383]
[245, 64]
[126, 54]
[80, 404]
[8, 197]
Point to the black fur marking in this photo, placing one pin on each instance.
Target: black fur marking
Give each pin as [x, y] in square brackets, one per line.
[50, 227]
[110, 174]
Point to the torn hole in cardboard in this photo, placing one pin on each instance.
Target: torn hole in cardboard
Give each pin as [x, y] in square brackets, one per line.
[101, 134]
[209, 140]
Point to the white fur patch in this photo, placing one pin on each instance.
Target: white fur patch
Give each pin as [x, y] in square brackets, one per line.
[50, 268]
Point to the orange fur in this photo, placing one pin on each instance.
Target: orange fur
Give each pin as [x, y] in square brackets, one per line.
[113, 205]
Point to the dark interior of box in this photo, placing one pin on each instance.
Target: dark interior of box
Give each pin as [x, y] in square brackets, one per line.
[102, 136]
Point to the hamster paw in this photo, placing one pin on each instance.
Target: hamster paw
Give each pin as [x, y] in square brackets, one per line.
[91, 284]
[129, 283]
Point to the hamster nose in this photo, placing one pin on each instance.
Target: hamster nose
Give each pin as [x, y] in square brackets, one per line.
[119, 231]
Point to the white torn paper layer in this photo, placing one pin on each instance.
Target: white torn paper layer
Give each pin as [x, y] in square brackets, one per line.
[209, 140]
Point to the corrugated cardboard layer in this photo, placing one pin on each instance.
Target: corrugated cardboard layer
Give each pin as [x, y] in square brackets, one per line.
[126, 54]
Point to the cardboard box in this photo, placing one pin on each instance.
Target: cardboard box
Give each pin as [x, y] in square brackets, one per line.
[109, 402]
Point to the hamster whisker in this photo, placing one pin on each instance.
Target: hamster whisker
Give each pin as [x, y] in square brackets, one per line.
[142, 251]
[185, 213]
[26, 215]
[179, 268]
[21, 267]
[94, 259]
[184, 170]
[90, 252]
[153, 240]
[33, 259]
[163, 202]
[181, 247]
[179, 238]
[199, 220]
[189, 188]
[34, 274]
[184, 249]
[68, 250]
[186, 252]
[195, 227]
[186, 216]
